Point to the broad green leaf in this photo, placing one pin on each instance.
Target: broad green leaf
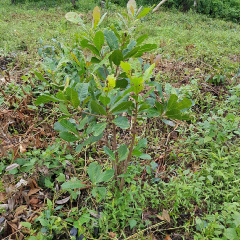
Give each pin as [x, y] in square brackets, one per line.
[104, 100]
[63, 108]
[60, 95]
[107, 175]
[102, 191]
[99, 128]
[96, 16]
[141, 39]
[122, 107]
[82, 91]
[96, 107]
[82, 123]
[145, 156]
[143, 107]
[26, 224]
[75, 18]
[40, 77]
[67, 136]
[132, 223]
[148, 72]
[116, 57]
[111, 39]
[111, 83]
[143, 13]
[68, 125]
[230, 233]
[145, 48]
[93, 49]
[122, 122]
[92, 139]
[84, 43]
[79, 148]
[141, 144]
[73, 95]
[148, 93]
[95, 60]
[174, 114]
[61, 178]
[172, 102]
[45, 99]
[152, 112]
[58, 127]
[72, 185]
[121, 83]
[44, 222]
[185, 103]
[102, 18]
[131, 53]
[109, 152]
[137, 84]
[94, 172]
[122, 152]
[97, 66]
[159, 107]
[126, 68]
[98, 40]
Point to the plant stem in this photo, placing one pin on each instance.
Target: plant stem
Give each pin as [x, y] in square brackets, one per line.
[134, 131]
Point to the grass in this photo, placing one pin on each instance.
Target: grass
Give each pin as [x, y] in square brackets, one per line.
[196, 177]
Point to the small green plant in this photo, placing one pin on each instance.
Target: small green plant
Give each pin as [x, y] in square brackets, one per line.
[112, 91]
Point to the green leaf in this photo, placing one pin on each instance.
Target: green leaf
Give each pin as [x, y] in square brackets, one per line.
[131, 53]
[111, 39]
[60, 95]
[97, 66]
[79, 148]
[172, 102]
[95, 60]
[94, 172]
[68, 125]
[63, 108]
[44, 222]
[185, 103]
[116, 57]
[104, 100]
[141, 39]
[75, 18]
[92, 139]
[145, 156]
[93, 49]
[98, 40]
[107, 175]
[152, 112]
[26, 224]
[126, 68]
[82, 91]
[61, 178]
[230, 233]
[174, 114]
[45, 99]
[148, 72]
[132, 223]
[137, 83]
[122, 107]
[72, 185]
[122, 122]
[96, 16]
[73, 95]
[40, 77]
[82, 123]
[67, 136]
[123, 152]
[170, 123]
[159, 107]
[58, 127]
[148, 93]
[96, 107]
[99, 128]
[143, 13]
[102, 191]
[109, 152]
[145, 48]
[141, 144]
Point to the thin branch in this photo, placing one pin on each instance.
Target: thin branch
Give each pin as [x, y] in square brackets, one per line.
[158, 6]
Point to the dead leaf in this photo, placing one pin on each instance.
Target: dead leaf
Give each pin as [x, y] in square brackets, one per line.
[165, 216]
[168, 237]
[112, 235]
[62, 201]
[33, 191]
[20, 210]
[3, 197]
[21, 182]
[34, 201]
[12, 166]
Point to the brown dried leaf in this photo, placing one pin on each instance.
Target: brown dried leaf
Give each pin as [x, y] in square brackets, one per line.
[33, 191]
[165, 216]
[3, 197]
[112, 235]
[34, 201]
[168, 237]
[20, 210]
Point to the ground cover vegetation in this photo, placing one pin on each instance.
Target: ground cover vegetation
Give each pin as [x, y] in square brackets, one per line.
[118, 126]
